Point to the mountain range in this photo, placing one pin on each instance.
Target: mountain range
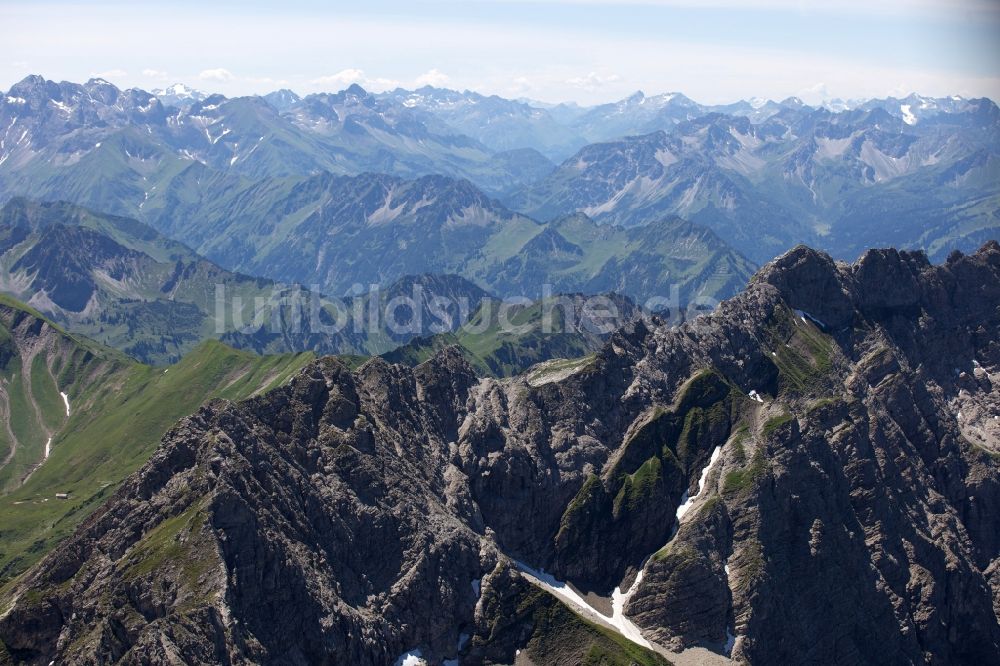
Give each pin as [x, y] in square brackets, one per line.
[77, 128]
[842, 181]
[126, 285]
[805, 475]
[340, 232]
[913, 172]
[122, 283]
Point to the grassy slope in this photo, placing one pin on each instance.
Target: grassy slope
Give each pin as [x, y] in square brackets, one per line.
[118, 416]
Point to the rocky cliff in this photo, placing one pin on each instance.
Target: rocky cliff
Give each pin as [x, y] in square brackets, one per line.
[807, 475]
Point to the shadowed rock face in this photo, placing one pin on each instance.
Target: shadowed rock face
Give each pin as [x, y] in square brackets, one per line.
[850, 516]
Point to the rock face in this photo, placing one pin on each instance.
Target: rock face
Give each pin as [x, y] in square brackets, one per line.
[828, 439]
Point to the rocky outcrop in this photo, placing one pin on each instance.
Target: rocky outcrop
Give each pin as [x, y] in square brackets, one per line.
[784, 480]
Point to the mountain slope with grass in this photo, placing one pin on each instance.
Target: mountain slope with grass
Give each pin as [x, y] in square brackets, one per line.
[77, 418]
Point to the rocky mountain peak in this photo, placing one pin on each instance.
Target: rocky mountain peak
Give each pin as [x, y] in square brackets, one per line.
[888, 278]
[35, 91]
[882, 282]
[722, 459]
[810, 280]
[356, 90]
[102, 89]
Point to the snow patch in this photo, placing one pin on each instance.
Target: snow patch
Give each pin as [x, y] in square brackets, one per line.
[48, 447]
[411, 658]
[804, 316]
[687, 502]
[624, 625]
[755, 396]
[908, 116]
[567, 594]
[66, 401]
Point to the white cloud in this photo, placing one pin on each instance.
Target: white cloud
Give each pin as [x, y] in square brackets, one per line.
[433, 77]
[902, 90]
[110, 74]
[520, 85]
[380, 83]
[218, 75]
[345, 77]
[593, 81]
[815, 94]
[155, 74]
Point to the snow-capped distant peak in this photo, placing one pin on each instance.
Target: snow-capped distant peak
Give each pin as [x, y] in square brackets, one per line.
[836, 105]
[179, 95]
[180, 90]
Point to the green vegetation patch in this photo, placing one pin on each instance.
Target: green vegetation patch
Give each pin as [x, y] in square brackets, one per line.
[738, 480]
[750, 564]
[802, 353]
[775, 422]
[639, 487]
[677, 556]
[120, 411]
[585, 505]
[179, 542]
[699, 420]
[496, 351]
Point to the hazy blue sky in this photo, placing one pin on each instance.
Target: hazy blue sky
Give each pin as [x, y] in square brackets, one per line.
[553, 50]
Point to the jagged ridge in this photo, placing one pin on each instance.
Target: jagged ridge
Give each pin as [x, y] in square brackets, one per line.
[848, 516]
